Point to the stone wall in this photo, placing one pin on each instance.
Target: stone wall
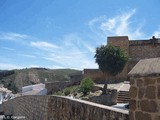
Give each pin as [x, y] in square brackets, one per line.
[123, 43]
[108, 99]
[145, 98]
[30, 107]
[56, 86]
[99, 77]
[76, 79]
[120, 41]
[142, 51]
[61, 108]
[135, 49]
[96, 75]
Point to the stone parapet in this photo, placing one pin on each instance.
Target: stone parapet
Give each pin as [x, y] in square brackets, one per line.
[61, 108]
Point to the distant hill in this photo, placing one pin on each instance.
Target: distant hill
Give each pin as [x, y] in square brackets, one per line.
[15, 79]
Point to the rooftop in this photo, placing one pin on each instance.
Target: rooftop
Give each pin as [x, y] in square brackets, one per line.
[146, 67]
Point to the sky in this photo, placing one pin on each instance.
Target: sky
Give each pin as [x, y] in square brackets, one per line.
[60, 34]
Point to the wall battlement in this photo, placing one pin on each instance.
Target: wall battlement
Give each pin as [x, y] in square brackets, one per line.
[143, 42]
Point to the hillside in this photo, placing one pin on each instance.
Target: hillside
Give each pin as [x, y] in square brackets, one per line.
[15, 79]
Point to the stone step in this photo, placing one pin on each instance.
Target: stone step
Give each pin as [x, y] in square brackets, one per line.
[123, 97]
[122, 102]
[123, 94]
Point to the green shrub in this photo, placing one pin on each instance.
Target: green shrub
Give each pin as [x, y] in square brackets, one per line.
[59, 93]
[67, 91]
[86, 85]
[70, 90]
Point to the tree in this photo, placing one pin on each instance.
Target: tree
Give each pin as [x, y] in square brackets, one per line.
[111, 60]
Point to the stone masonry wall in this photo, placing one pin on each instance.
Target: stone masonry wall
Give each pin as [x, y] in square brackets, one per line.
[61, 108]
[120, 41]
[56, 86]
[145, 98]
[30, 107]
[98, 76]
[123, 43]
[135, 49]
[142, 51]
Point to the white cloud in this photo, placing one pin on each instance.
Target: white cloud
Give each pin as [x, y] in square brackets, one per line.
[109, 25]
[89, 47]
[56, 67]
[157, 33]
[34, 66]
[72, 61]
[43, 45]
[96, 20]
[7, 48]
[12, 36]
[8, 66]
[120, 25]
[73, 53]
[29, 56]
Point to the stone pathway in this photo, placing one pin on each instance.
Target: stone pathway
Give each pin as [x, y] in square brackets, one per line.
[122, 86]
[125, 86]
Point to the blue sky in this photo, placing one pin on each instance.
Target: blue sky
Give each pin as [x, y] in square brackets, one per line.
[64, 33]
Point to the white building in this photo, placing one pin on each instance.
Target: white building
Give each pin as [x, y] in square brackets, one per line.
[5, 94]
[38, 89]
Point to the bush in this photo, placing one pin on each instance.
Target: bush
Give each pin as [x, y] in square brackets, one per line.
[59, 93]
[67, 91]
[86, 85]
[70, 90]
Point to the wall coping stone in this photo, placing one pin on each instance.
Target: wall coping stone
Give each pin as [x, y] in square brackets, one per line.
[95, 104]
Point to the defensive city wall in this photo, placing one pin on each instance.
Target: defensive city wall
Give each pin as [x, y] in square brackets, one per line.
[135, 49]
[60, 108]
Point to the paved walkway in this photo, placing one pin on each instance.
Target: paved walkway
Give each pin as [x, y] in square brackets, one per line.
[123, 86]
